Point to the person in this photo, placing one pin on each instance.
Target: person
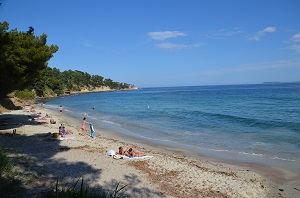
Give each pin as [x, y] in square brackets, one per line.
[60, 109]
[60, 131]
[135, 153]
[84, 122]
[64, 132]
[122, 151]
[69, 131]
[130, 152]
[52, 121]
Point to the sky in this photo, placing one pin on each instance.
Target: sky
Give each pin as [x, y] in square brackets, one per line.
[162, 43]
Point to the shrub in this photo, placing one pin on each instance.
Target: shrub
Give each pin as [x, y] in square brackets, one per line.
[5, 166]
[25, 95]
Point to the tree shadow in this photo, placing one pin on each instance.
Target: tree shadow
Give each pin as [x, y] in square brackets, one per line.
[14, 121]
[132, 190]
[34, 155]
[8, 104]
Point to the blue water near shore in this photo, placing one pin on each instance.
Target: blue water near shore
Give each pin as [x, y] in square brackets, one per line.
[241, 122]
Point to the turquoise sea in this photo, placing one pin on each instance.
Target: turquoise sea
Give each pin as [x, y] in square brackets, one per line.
[247, 123]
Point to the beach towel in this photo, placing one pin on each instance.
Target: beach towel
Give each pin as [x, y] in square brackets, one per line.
[67, 138]
[118, 156]
[93, 133]
[142, 157]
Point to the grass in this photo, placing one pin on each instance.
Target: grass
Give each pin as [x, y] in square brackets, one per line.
[83, 192]
[5, 165]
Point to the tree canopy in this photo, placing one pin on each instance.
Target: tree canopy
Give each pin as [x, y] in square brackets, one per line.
[54, 82]
[24, 66]
[23, 58]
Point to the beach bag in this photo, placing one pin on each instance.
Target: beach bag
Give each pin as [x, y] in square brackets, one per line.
[111, 153]
[93, 133]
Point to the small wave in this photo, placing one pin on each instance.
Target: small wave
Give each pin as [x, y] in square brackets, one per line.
[51, 106]
[252, 154]
[191, 133]
[267, 156]
[110, 122]
[283, 159]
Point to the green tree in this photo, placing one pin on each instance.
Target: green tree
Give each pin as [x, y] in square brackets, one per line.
[23, 58]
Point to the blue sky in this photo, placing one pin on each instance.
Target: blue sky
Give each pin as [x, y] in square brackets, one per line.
[168, 42]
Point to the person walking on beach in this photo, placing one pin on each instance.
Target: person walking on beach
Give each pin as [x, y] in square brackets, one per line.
[60, 110]
[84, 122]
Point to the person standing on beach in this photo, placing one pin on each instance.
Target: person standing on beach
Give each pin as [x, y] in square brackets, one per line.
[84, 122]
[60, 110]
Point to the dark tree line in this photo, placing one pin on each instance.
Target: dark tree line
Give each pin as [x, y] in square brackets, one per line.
[54, 82]
[23, 58]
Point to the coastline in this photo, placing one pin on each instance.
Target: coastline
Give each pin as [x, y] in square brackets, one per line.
[170, 173]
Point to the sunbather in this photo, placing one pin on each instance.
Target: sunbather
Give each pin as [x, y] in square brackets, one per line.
[52, 121]
[60, 131]
[135, 153]
[131, 152]
[123, 152]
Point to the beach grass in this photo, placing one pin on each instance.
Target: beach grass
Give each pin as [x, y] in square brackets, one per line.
[74, 192]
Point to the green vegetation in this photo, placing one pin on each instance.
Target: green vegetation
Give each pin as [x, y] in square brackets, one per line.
[23, 58]
[25, 95]
[5, 166]
[74, 192]
[24, 68]
[54, 82]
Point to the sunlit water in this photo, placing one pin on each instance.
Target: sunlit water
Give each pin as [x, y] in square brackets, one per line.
[240, 122]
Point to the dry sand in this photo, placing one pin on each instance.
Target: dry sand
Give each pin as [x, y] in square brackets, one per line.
[42, 159]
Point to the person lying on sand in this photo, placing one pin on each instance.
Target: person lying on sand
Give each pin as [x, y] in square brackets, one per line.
[52, 121]
[131, 152]
[123, 152]
[63, 131]
[68, 131]
[135, 153]
[42, 118]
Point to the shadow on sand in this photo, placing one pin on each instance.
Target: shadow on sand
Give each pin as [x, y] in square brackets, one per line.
[34, 155]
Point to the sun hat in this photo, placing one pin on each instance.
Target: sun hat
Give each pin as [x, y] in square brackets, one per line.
[117, 157]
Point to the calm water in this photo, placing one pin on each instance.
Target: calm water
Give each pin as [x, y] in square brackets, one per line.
[242, 122]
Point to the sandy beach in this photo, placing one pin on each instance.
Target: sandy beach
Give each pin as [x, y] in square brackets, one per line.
[169, 173]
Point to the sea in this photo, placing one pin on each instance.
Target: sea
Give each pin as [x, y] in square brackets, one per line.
[257, 123]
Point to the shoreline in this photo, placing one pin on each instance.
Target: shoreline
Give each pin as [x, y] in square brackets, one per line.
[85, 91]
[191, 174]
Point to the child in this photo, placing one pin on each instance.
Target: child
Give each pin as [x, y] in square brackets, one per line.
[84, 122]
